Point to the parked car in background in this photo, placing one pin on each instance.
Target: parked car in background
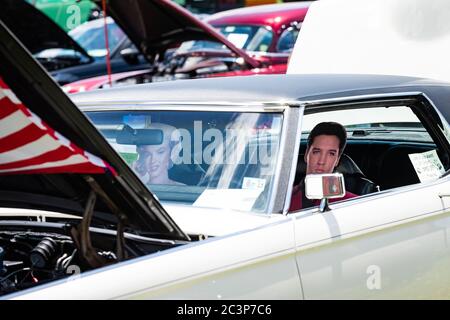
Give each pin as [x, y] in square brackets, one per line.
[74, 56]
[262, 29]
[124, 56]
[266, 33]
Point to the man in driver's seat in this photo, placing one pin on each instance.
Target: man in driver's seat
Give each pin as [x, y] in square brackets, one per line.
[325, 145]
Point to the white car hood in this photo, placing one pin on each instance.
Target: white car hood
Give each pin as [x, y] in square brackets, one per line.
[391, 37]
[216, 222]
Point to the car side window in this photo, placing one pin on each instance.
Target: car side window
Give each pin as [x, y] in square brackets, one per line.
[388, 146]
[287, 39]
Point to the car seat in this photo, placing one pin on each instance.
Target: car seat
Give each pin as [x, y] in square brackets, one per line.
[396, 169]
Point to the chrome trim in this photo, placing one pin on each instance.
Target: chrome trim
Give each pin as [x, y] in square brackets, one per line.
[438, 112]
[235, 107]
[169, 102]
[444, 195]
[276, 205]
[359, 97]
[249, 104]
[277, 171]
[270, 54]
[298, 137]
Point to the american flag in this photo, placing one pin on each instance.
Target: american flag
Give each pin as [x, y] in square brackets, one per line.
[28, 145]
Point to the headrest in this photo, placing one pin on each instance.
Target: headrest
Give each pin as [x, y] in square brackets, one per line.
[348, 166]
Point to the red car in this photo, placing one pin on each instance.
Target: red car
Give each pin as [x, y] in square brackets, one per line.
[251, 40]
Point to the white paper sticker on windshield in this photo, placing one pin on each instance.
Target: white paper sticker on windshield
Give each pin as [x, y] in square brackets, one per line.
[253, 183]
[238, 199]
[238, 39]
[427, 165]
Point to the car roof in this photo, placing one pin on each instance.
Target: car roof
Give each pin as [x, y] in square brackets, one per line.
[285, 12]
[255, 89]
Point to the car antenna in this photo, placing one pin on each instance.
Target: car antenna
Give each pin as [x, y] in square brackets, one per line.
[108, 60]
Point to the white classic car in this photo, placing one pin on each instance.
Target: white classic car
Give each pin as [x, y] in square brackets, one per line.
[77, 223]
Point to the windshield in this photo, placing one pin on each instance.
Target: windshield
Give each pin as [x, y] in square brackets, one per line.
[249, 38]
[91, 36]
[206, 159]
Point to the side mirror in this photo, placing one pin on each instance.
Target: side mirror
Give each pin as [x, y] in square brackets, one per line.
[324, 187]
[130, 55]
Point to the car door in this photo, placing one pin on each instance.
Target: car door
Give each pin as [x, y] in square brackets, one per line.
[389, 244]
[384, 246]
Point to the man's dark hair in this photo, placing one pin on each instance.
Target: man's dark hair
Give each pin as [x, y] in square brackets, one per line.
[330, 129]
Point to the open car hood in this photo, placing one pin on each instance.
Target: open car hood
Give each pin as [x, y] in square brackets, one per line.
[392, 37]
[37, 31]
[155, 25]
[52, 158]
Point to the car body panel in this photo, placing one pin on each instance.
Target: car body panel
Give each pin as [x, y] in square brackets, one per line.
[257, 272]
[216, 222]
[39, 215]
[224, 90]
[368, 251]
[97, 69]
[100, 81]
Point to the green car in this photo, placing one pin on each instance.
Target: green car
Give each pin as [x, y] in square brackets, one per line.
[68, 14]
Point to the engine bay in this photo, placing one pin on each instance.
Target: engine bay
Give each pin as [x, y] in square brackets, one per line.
[35, 253]
[29, 258]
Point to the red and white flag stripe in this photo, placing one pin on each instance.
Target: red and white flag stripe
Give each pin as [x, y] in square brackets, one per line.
[28, 145]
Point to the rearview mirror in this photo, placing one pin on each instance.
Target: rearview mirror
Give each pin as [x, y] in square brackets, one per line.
[132, 136]
[324, 186]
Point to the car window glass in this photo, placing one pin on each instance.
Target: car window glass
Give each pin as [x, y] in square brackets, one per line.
[287, 39]
[387, 147]
[250, 38]
[92, 39]
[209, 159]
